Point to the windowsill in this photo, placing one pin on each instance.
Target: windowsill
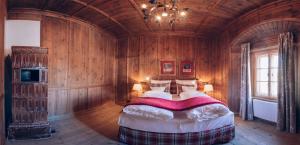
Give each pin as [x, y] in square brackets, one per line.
[266, 99]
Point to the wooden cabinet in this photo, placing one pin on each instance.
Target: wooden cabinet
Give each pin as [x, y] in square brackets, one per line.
[29, 93]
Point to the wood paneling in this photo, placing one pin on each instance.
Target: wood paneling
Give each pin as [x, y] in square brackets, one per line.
[2, 118]
[78, 50]
[123, 17]
[122, 85]
[139, 57]
[81, 63]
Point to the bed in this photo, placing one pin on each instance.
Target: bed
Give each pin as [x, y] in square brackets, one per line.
[195, 120]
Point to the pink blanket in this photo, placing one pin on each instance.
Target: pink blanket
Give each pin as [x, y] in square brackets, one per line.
[175, 105]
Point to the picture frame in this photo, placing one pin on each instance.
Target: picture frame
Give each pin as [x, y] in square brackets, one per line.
[167, 67]
[187, 68]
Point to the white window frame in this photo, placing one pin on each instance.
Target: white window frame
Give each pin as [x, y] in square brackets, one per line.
[254, 56]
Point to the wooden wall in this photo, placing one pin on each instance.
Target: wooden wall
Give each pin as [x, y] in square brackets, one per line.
[81, 62]
[260, 27]
[139, 57]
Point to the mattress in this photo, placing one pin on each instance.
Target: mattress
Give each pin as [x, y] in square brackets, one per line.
[179, 124]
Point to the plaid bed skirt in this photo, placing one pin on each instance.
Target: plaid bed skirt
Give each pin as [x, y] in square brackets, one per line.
[215, 136]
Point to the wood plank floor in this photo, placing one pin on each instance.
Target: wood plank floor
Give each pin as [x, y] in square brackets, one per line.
[98, 126]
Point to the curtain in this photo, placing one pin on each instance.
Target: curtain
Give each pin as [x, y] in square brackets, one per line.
[246, 106]
[286, 84]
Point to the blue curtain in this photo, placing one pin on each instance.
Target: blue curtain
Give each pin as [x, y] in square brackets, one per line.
[246, 105]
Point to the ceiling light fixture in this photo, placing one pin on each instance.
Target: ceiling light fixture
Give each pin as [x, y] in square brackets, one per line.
[144, 6]
[164, 14]
[168, 9]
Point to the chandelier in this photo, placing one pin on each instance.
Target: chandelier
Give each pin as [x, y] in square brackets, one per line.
[163, 10]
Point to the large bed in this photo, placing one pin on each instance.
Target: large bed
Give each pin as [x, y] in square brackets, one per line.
[212, 124]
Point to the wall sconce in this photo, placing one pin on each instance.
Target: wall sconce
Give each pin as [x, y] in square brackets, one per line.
[208, 88]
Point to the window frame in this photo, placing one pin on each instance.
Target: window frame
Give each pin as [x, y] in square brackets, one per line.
[253, 59]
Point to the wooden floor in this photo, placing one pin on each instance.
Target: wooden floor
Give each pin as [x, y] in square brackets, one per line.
[98, 126]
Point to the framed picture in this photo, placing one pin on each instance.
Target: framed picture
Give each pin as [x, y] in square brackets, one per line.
[167, 67]
[187, 68]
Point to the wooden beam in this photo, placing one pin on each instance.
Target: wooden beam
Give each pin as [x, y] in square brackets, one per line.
[134, 5]
[102, 13]
[82, 8]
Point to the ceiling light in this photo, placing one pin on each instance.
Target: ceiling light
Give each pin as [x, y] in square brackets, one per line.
[183, 13]
[166, 10]
[158, 18]
[144, 6]
[164, 14]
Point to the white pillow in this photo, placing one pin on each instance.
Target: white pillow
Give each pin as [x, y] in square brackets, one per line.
[187, 82]
[160, 89]
[149, 112]
[191, 94]
[158, 94]
[187, 88]
[160, 81]
[207, 112]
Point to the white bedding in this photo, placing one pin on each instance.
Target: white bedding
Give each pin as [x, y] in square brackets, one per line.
[148, 112]
[180, 123]
[157, 94]
[191, 94]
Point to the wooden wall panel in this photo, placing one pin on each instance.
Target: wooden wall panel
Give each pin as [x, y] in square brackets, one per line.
[78, 50]
[81, 62]
[55, 33]
[109, 60]
[144, 53]
[95, 56]
[148, 57]
[122, 96]
[2, 116]
[93, 96]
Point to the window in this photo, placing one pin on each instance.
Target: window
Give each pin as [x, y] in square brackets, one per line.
[264, 74]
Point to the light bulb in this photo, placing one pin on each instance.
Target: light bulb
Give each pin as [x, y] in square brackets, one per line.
[147, 78]
[183, 13]
[158, 18]
[164, 14]
[144, 6]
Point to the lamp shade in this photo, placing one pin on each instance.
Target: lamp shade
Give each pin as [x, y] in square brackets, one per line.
[137, 87]
[208, 88]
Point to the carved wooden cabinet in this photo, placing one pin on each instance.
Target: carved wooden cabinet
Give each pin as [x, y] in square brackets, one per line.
[29, 93]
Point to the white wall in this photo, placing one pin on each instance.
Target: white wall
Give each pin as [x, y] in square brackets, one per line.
[265, 110]
[21, 33]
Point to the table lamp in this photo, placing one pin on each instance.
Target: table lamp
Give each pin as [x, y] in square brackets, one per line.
[208, 88]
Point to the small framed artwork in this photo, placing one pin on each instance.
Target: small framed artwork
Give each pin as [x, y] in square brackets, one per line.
[168, 67]
[187, 68]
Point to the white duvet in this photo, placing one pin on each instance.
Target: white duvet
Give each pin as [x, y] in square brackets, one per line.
[157, 94]
[201, 113]
[207, 112]
[198, 119]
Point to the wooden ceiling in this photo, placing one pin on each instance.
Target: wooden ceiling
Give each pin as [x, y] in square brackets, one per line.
[206, 17]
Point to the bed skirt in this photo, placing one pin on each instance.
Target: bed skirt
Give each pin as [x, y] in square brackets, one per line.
[215, 136]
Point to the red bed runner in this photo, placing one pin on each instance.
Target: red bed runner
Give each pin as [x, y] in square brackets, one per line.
[175, 105]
